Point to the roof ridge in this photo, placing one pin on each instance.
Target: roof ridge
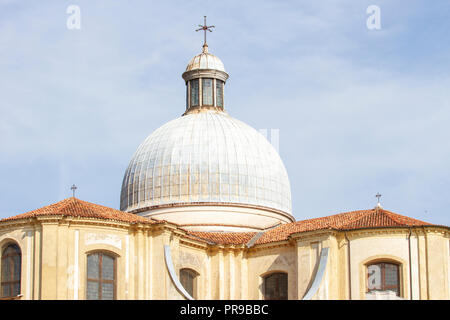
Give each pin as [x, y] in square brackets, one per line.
[364, 215]
[327, 219]
[389, 216]
[74, 207]
[396, 216]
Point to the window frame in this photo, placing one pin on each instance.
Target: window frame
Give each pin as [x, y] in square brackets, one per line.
[383, 285]
[205, 92]
[195, 275]
[271, 274]
[191, 96]
[219, 84]
[10, 283]
[100, 280]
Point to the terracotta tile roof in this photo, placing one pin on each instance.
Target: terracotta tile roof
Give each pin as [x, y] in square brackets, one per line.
[224, 237]
[74, 207]
[372, 218]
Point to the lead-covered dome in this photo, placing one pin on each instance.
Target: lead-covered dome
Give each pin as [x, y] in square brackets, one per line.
[206, 157]
[205, 60]
[207, 171]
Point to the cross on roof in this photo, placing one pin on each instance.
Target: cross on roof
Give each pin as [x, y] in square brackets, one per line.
[378, 196]
[73, 188]
[205, 28]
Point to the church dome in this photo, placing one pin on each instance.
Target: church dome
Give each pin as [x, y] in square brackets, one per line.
[205, 60]
[207, 171]
[207, 157]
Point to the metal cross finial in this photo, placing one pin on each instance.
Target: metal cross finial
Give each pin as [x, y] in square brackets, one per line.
[205, 28]
[73, 188]
[378, 196]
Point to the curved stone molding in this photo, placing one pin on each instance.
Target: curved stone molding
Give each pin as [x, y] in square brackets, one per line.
[319, 274]
[173, 275]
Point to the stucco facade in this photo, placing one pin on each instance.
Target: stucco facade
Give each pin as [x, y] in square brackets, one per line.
[54, 253]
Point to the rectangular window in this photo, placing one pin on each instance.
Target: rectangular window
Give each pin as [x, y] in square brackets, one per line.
[207, 92]
[219, 93]
[101, 276]
[383, 277]
[194, 92]
[276, 286]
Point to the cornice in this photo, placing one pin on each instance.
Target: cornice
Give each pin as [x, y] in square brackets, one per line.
[218, 204]
[419, 230]
[205, 73]
[70, 220]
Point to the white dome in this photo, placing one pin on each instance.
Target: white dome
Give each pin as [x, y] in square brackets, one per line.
[206, 157]
[205, 61]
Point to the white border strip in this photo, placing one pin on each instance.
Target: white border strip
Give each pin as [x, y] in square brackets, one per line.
[173, 276]
[319, 275]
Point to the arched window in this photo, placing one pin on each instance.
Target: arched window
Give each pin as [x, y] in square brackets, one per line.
[188, 279]
[276, 286]
[11, 270]
[101, 276]
[383, 276]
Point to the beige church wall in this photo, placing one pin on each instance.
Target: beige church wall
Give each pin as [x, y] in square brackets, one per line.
[437, 261]
[54, 258]
[387, 245]
[429, 261]
[330, 286]
[308, 251]
[341, 267]
[241, 276]
[380, 247]
[235, 274]
[196, 259]
[117, 242]
[216, 274]
[263, 261]
[64, 253]
[161, 284]
[225, 270]
[414, 286]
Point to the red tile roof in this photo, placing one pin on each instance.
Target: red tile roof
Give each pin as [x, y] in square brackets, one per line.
[224, 237]
[73, 207]
[372, 218]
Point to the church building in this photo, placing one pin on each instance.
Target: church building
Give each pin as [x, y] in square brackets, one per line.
[205, 213]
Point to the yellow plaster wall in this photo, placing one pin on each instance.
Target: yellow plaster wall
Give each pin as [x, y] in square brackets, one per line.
[262, 262]
[54, 254]
[437, 257]
[375, 247]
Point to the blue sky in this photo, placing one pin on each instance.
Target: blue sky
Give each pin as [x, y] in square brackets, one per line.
[359, 111]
